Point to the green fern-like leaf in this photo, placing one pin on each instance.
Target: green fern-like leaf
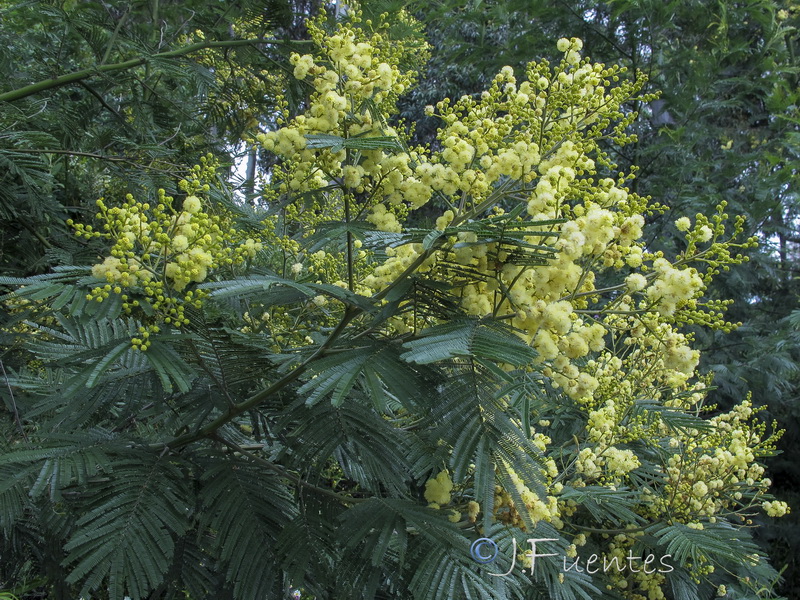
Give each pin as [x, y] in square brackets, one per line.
[369, 450]
[307, 545]
[715, 543]
[126, 539]
[269, 289]
[471, 416]
[605, 505]
[374, 366]
[484, 339]
[62, 460]
[244, 509]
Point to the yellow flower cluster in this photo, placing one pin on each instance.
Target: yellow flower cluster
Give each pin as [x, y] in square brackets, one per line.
[715, 472]
[775, 508]
[538, 509]
[672, 288]
[437, 490]
[636, 580]
[355, 75]
[530, 214]
[159, 250]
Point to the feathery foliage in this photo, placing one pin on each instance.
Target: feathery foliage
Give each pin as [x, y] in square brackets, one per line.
[339, 376]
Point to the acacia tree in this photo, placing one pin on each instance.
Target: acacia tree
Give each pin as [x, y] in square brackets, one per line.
[342, 395]
[724, 128]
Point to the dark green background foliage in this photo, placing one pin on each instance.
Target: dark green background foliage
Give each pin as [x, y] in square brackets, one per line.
[330, 496]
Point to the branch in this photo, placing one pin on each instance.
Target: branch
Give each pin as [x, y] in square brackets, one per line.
[97, 156]
[44, 241]
[350, 313]
[284, 473]
[55, 82]
[105, 104]
[14, 410]
[70, 153]
[256, 399]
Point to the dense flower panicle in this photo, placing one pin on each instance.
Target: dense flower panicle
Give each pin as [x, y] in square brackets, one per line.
[541, 133]
[535, 140]
[159, 251]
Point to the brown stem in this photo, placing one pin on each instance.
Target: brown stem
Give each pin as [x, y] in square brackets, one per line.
[288, 475]
[77, 76]
[14, 410]
[254, 400]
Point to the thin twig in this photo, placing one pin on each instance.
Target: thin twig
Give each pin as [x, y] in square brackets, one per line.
[105, 104]
[288, 475]
[121, 159]
[13, 403]
[76, 76]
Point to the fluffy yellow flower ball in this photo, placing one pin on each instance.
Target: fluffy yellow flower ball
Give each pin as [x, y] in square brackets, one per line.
[192, 205]
[437, 490]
